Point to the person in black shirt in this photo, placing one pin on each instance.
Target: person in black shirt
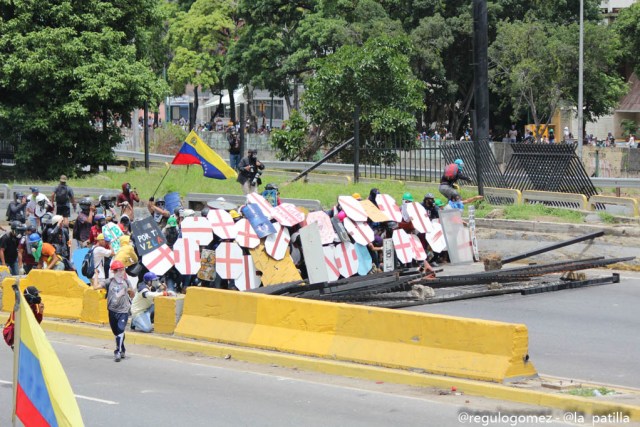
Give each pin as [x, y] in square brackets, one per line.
[9, 247]
[429, 203]
[17, 209]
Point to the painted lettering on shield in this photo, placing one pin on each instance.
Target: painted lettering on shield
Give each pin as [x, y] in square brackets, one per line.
[147, 235]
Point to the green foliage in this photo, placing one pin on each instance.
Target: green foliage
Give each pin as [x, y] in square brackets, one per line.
[377, 78]
[591, 391]
[607, 218]
[629, 127]
[168, 139]
[64, 64]
[290, 141]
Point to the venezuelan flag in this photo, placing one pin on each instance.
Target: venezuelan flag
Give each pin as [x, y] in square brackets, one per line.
[195, 152]
[42, 393]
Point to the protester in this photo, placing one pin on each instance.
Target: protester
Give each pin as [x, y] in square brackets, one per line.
[157, 209]
[234, 147]
[142, 307]
[126, 199]
[17, 210]
[37, 206]
[58, 236]
[452, 174]
[64, 198]
[32, 296]
[101, 258]
[82, 226]
[24, 252]
[45, 254]
[126, 254]
[250, 169]
[9, 242]
[119, 294]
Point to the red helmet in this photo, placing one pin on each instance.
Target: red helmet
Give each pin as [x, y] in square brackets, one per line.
[117, 265]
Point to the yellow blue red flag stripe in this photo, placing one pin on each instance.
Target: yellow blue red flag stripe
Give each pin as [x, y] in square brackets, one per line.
[194, 151]
[43, 394]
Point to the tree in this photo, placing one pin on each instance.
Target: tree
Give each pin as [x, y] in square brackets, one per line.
[67, 66]
[290, 143]
[376, 77]
[199, 38]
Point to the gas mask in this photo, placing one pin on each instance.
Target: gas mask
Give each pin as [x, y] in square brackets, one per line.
[120, 274]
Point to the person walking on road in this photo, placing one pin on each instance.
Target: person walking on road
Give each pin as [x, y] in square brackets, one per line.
[119, 294]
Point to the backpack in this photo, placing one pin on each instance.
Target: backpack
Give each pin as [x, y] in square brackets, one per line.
[62, 195]
[451, 171]
[88, 265]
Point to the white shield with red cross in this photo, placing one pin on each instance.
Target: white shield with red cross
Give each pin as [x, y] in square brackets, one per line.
[436, 238]
[222, 224]
[346, 259]
[352, 208]
[276, 245]
[265, 206]
[160, 260]
[330, 261]
[186, 254]
[197, 229]
[419, 218]
[361, 232]
[327, 235]
[248, 279]
[229, 262]
[388, 206]
[418, 249]
[245, 235]
[288, 215]
[403, 246]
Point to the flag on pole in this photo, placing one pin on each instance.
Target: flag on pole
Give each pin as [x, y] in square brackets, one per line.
[42, 395]
[194, 151]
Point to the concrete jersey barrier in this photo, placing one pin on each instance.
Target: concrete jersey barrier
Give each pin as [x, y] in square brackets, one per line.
[445, 345]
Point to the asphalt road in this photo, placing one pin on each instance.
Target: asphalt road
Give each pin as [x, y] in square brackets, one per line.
[589, 334]
[154, 387]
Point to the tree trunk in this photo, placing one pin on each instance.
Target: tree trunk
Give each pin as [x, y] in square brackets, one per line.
[232, 106]
[194, 112]
[105, 133]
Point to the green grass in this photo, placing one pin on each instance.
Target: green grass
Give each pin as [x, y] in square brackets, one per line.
[607, 218]
[589, 392]
[185, 180]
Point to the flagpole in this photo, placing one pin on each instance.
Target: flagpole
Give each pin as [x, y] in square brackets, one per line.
[158, 187]
[16, 348]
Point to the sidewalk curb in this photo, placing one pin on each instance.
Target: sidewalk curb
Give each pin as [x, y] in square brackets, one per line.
[567, 403]
[555, 227]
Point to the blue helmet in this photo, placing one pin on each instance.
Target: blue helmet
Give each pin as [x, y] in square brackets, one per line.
[34, 238]
[149, 276]
[460, 163]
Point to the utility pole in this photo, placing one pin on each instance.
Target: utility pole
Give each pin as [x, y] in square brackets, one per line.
[580, 81]
[481, 83]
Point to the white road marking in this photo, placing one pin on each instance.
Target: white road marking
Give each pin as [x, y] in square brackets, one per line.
[79, 396]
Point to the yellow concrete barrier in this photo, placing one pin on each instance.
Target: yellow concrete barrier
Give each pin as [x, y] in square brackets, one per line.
[503, 196]
[62, 292]
[599, 203]
[94, 307]
[168, 311]
[556, 200]
[466, 348]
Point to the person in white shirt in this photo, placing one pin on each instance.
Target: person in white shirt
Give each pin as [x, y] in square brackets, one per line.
[142, 307]
[101, 252]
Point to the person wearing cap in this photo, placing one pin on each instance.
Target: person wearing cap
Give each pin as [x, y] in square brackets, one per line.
[24, 252]
[102, 254]
[119, 294]
[37, 205]
[17, 210]
[357, 196]
[142, 306]
[33, 299]
[250, 169]
[64, 199]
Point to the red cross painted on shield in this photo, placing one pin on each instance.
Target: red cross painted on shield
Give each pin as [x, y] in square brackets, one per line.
[345, 254]
[222, 222]
[226, 259]
[333, 267]
[163, 252]
[403, 245]
[385, 205]
[187, 244]
[246, 234]
[420, 218]
[280, 239]
[265, 206]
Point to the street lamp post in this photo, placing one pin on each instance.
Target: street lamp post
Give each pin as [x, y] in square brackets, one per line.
[580, 81]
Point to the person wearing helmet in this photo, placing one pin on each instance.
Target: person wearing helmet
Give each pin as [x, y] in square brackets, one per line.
[24, 251]
[249, 172]
[405, 224]
[33, 299]
[98, 221]
[58, 235]
[37, 205]
[157, 209]
[119, 294]
[272, 194]
[142, 306]
[84, 221]
[17, 210]
[452, 174]
[9, 242]
[45, 254]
